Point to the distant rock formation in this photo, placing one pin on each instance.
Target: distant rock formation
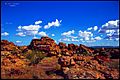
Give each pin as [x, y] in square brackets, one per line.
[83, 47]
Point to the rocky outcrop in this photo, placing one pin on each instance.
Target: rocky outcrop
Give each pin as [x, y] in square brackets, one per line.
[45, 44]
[85, 48]
[44, 59]
[66, 61]
[8, 46]
[62, 45]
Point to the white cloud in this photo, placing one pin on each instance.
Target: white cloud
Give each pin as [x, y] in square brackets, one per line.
[98, 38]
[31, 33]
[55, 24]
[20, 34]
[86, 38]
[111, 24]
[38, 22]
[30, 27]
[73, 37]
[28, 30]
[117, 39]
[75, 40]
[85, 35]
[110, 29]
[18, 41]
[34, 37]
[66, 39]
[89, 28]
[53, 34]
[42, 33]
[95, 28]
[110, 32]
[81, 39]
[68, 33]
[5, 34]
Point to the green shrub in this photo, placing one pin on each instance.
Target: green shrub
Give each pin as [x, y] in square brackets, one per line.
[35, 56]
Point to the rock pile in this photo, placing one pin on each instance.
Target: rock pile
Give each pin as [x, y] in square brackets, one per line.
[45, 44]
[49, 60]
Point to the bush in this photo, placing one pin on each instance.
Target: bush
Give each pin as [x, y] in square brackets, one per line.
[35, 56]
[85, 53]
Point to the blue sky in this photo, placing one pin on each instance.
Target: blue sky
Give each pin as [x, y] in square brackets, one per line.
[92, 23]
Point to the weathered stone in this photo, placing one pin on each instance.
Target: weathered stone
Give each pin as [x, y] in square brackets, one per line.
[65, 69]
[8, 46]
[45, 44]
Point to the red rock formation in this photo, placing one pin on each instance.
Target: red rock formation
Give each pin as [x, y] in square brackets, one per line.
[62, 45]
[66, 61]
[8, 46]
[83, 47]
[45, 44]
[71, 63]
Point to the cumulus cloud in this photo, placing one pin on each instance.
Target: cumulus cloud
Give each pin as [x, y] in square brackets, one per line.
[30, 27]
[85, 35]
[64, 39]
[67, 36]
[117, 39]
[81, 39]
[110, 32]
[98, 38]
[54, 23]
[110, 25]
[89, 28]
[111, 29]
[95, 28]
[53, 34]
[34, 37]
[18, 41]
[75, 40]
[20, 34]
[42, 33]
[68, 33]
[28, 30]
[5, 34]
[38, 22]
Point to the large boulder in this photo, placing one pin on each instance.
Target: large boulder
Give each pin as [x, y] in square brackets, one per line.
[66, 61]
